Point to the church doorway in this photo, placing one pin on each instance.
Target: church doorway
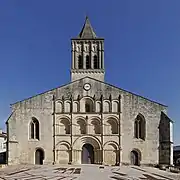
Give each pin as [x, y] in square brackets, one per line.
[87, 154]
[135, 158]
[39, 156]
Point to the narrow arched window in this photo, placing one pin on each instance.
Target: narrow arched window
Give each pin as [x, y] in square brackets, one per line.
[96, 62]
[136, 129]
[58, 107]
[98, 107]
[75, 107]
[67, 107]
[80, 62]
[34, 129]
[88, 62]
[65, 126]
[97, 126]
[106, 106]
[82, 126]
[114, 125]
[88, 105]
[142, 129]
[115, 106]
[139, 127]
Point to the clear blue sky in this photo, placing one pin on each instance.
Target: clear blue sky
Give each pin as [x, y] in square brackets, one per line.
[142, 47]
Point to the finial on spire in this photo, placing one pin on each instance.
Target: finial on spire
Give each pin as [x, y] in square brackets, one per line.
[86, 15]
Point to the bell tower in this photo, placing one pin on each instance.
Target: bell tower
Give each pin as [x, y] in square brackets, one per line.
[87, 54]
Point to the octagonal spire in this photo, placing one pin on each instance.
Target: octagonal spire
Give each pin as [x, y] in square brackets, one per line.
[87, 31]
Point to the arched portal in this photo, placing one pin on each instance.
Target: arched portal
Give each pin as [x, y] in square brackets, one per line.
[39, 156]
[111, 153]
[135, 158]
[94, 146]
[87, 156]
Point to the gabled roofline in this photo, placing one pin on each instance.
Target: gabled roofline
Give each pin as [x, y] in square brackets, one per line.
[133, 93]
[167, 117]
[95, 80]
[9, 117]
[46, 91]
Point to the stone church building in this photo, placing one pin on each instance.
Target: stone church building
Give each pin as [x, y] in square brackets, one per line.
[88, 120]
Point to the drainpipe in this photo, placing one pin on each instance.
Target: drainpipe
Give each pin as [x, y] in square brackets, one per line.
[102, 129]
[71, 129]
[54, 108]
[119, 110]
[7, 142]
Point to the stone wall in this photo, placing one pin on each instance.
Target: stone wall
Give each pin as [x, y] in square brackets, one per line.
[166, 141]
[41, 107]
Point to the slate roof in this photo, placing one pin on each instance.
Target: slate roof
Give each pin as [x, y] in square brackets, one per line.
[176, 148]
[87, 31]
[3, 134]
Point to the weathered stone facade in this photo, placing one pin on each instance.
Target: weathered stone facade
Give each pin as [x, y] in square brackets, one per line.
[112, 125]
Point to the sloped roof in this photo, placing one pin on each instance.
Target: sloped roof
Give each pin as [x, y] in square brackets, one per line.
[87, 31]
[3, 134]
[164, 116]
[176, 148]
[94, 80]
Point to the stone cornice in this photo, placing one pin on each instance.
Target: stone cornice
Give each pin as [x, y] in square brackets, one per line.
[88, 71]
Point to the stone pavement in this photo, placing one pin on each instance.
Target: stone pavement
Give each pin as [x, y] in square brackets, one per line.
[84, 172]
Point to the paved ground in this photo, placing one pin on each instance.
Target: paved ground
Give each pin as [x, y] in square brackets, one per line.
[84, 172]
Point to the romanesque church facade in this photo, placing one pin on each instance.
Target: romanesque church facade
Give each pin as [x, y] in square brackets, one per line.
[88, 120]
